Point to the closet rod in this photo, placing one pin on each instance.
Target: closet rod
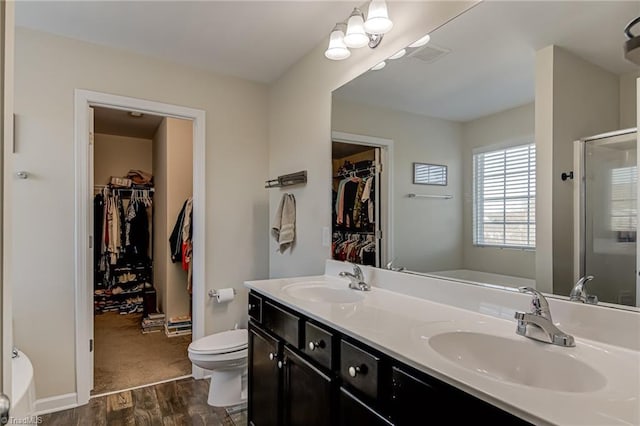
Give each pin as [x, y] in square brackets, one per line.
[346, 173]
[123, 189]
[446, 197]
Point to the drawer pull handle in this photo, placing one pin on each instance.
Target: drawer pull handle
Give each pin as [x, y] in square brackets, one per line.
[314, 345]
[354, 371]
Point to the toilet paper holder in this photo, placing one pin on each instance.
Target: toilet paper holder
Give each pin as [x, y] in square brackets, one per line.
[214, 293]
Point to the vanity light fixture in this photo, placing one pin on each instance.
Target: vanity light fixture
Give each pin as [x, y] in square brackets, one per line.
[378, 21]
[378, 66]
[358, 32]
[337, 49]
[399, 54]
[355, 36]
[421, 41]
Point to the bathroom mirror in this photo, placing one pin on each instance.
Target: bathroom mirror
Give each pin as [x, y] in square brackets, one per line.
[468, 99]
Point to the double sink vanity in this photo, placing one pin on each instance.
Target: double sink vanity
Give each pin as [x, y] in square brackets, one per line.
[411, 348]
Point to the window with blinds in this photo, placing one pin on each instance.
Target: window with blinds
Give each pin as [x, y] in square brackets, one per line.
[623, 202]
[504, 197]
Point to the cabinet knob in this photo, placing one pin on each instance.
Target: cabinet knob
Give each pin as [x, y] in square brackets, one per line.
[314, 345]
[354, 371]
[281, 364]
[272, 356]
[251, 306]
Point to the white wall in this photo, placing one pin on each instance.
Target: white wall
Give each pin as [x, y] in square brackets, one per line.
[300, 127]
[161, 256]
[179, 187]
[48, 69]
[116, 155]
[515, 125]
[628, 101]
[574, 99]
[418, 223]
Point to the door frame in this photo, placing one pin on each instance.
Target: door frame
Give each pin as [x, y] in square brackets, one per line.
[7, 51]
[83, 223]
[386, 193]
[579, 200]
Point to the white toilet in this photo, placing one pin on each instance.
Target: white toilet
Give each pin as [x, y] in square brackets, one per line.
[225, 355]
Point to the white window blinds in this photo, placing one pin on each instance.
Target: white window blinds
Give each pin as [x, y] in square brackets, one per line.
[504, 197]
[624, 199]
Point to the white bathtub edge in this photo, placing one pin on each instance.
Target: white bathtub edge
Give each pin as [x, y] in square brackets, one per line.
[56, 403]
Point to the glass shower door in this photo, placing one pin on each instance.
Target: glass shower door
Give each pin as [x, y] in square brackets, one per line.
[610, 191]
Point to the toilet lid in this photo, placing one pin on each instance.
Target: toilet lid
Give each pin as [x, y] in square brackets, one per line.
[226, 341]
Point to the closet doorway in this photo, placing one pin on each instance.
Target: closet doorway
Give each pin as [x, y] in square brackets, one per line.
[143, 185]
[361, 188]
[139, 241]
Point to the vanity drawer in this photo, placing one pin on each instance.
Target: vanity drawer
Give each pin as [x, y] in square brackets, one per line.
[318, 344]
[360, 369]
[283, 323]
[255, 307]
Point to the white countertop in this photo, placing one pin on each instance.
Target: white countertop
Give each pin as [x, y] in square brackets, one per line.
[401, 325]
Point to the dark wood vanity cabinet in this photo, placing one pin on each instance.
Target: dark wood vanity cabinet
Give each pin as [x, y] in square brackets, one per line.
[307, 397]
[264, 378]
[303, 373]
[285, 388]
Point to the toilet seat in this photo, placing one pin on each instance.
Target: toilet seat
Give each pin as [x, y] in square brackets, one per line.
[221, 343]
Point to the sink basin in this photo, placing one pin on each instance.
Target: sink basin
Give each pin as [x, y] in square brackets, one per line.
[321, 292]
[518, 361]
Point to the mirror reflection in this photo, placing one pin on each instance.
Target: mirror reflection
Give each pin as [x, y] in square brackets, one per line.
[508, 98]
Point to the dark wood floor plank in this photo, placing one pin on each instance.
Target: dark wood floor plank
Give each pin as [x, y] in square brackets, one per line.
[94, 413]
[61, 418]
[146, 410]
[175, 420]
[169, 400]
[176, 403]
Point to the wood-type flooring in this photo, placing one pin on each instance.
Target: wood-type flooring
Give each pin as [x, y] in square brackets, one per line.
[175, 403]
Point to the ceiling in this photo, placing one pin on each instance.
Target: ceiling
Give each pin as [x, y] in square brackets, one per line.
[120, 123]
[490, 66]
[255, 40]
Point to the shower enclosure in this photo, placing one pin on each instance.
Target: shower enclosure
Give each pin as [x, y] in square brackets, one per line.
[605, 202]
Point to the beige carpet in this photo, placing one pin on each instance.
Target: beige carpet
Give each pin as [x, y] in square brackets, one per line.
[124, 357]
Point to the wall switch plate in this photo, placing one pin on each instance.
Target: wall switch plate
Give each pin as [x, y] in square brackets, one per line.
[326, 236]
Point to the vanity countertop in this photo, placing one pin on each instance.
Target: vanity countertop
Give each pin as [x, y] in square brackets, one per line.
[401, 326]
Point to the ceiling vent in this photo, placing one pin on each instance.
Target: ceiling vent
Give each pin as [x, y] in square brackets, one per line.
[429, 53]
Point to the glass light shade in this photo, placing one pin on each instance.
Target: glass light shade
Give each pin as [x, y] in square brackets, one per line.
[356, 37]
[421, 42]
[378, 21]
[337, 50]
[398, 54]
[378, 66]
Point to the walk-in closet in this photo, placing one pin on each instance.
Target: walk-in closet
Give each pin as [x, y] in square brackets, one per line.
[355, 203]
[142, 229]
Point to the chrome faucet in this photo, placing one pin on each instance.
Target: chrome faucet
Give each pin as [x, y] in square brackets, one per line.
[394, 268]
[356, 280]
[579, 292]
[538, 324]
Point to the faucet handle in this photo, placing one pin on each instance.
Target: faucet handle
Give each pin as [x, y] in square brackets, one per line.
[539, 304]
[358, 272]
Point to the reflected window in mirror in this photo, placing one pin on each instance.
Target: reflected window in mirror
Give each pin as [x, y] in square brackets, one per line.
[504, 193]
[429, 174]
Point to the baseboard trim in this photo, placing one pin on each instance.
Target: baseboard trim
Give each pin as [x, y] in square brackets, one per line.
[56, 403]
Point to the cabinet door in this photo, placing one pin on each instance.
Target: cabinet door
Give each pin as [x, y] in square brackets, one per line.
[416, 397]
[307, 394]
[263, 378]
[355, 412]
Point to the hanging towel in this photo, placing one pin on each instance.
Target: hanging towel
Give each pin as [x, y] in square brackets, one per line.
[284, 223]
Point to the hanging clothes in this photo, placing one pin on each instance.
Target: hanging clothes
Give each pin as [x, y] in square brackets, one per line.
[180, 240]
